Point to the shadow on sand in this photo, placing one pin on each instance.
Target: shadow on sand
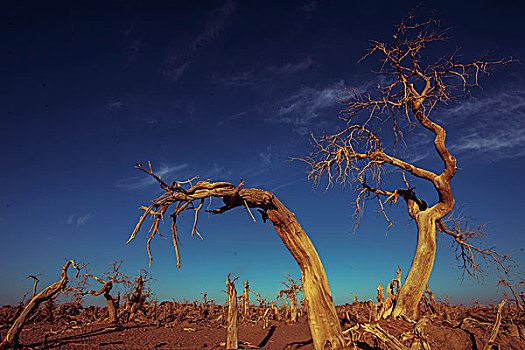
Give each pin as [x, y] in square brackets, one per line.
[53, 343]
[268, 336]
[298, 344]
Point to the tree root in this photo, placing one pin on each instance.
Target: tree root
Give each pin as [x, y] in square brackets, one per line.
[377, 331]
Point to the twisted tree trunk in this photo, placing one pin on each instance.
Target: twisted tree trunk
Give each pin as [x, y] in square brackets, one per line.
[11, 339]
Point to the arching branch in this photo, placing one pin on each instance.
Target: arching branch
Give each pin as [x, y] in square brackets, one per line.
[323, 321]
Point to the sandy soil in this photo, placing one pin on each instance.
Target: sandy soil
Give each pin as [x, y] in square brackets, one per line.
[452, 327]
[183, 336]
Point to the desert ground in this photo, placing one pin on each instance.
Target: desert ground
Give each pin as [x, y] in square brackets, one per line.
[199, 325]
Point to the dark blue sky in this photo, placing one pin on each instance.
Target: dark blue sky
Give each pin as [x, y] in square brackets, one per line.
[229, 90]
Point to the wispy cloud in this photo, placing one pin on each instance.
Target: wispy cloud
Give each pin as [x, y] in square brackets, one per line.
[231, 117]
[310, 7]
[132, 42]
[235, 80]
[216, 172]
[266, 155]
[133, 49]
[506, 143]
[174, 70]
[79, 220]
[177, 61]
[261, 75]
[214, 25]
[303, 107]
[129, 30]
[290, 68]
[269, 159]
[283, 185]
[114, 105]
[143, 181]
[493, 125]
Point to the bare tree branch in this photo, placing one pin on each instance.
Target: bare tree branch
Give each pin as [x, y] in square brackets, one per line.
[471, 248]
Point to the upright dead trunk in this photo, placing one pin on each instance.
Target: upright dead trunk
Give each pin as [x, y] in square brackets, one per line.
[246, 300]
[11, 339]
[136, 300]
[233, 318]
[275, 311]
[412, 290]
[293, 307]
[112, 307]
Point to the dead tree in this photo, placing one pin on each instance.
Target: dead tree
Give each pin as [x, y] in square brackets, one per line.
[495, 328]
[323, 321]
[111, 277]
[246, 300]
[34, 286]
[374, 141]
[137, 298]
[384, 306]
[275, 311]
[11, 339]
[262, 310]
[232, 340]
[292, 287]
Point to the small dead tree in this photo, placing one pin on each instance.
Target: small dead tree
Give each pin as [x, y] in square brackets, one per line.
[111, 277]
[246, 300]
[135, 301]
[11, 339]
[206, 307]
[495, 328]
[232, 340]
[292, 288]
[323, 321]
[378, 123]
[261, 309]
[275, 311]
[384, 306]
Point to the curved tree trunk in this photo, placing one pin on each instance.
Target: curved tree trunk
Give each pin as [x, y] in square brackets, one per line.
[322, 317]
[412, 290]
